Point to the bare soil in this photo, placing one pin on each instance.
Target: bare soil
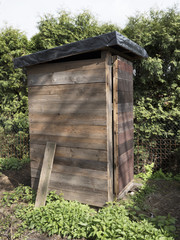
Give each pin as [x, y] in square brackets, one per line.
[165, 200]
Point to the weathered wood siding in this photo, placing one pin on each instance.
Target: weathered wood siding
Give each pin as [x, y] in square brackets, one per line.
[123, 123]
[67, 105]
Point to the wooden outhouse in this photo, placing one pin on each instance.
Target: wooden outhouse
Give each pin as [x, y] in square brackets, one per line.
[81, 98]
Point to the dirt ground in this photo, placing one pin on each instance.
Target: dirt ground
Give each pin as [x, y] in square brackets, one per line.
[165, 200]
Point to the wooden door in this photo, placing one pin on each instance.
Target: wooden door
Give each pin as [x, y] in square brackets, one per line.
[123, 123]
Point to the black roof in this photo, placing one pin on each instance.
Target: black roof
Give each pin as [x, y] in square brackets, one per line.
[114, 40]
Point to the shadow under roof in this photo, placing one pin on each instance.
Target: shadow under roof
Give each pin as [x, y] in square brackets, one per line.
[114, 40]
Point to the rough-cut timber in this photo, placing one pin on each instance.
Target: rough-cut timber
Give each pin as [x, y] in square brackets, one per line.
[81, 98]
[73, 114]
[45, 174]
[123, 123]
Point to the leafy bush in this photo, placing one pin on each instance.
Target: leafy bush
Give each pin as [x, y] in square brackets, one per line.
[75, 220]
[58, 217]
[12, 163]
[157, 175]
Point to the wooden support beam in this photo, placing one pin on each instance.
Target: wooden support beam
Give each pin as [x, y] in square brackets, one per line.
[45, 174]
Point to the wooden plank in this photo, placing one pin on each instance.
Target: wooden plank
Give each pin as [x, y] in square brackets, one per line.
[45, 174]
[88, 64]
[68, 108]
[125, 85]
[125, 75]
[90, 89]
[125, 107]
[87, 143]
[126, 173]
[124, 126]
[115, 118]
[74, 170]
[84, 164]
[74, 180]
[108, 76]
[68, 131]
[125, 116]
[37, 153]
[125, 136]
[124, 147]
[68, 119]
[68, 98]
[65, 77]
[126, 156]
[87, 196]
[125, 97]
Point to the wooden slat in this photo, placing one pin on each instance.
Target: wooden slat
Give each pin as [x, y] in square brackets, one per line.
[125, 85]
[88, 196]
[74, 180]
[81, 163]
[45, 174]
[126, 146]
[126, 156]
[108, 77]
[43, 99]
[125, 136]
[68, 108]
[37, 153]
[125, 75]
[124, 126]
[125, 97]
[126, 172]
[77, 90]
[88, 143]
[125, 116]
[77, 171]
[68, 119]
[65, 77]
[125, 107]
[68, 131]
[115, 113]
[88, 64]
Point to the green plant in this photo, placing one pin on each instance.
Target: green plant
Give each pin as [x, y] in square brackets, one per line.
[20, 194]
[166, 176]
[113, 222]
[13, 163]
[148, 172]
[58, 217]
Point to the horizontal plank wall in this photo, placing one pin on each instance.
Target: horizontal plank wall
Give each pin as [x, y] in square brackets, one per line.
[67, 105]
[123, 122]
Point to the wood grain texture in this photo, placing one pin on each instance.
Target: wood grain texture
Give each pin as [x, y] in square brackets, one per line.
[108, 65]
[115, 125]
[68, 131]
[74, 180]
[37, 153]
[88, 64]
[67, 105]
[76, 90]
[45, 174]
[83, 195]
[64, 77]
[68, 119]
[123, 123]
[74, 142]
[68, 108]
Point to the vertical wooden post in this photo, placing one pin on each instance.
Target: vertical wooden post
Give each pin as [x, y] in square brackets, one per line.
[115, 118]
[45, 174]
[108, 76]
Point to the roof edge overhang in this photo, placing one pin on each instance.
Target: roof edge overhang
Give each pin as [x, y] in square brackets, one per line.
[109, 40]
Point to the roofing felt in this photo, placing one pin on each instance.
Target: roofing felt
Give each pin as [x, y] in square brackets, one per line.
[113, 40]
